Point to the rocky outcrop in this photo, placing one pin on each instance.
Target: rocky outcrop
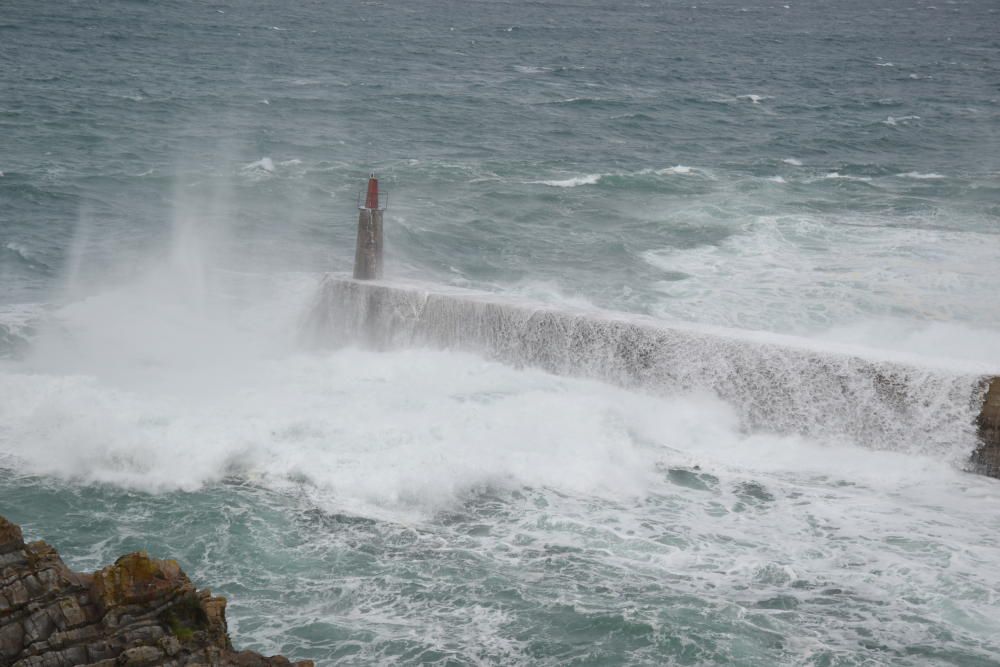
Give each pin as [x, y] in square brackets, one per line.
[139, 612]
[987, 457]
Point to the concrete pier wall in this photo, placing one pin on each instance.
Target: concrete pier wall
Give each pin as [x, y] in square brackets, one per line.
[776, 384]
[987, 457]
[368, 252]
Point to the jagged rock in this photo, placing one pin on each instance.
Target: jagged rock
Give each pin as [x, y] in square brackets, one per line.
[139, 612]
[987, 457]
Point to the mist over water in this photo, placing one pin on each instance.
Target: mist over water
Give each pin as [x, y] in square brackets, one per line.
[175, 179]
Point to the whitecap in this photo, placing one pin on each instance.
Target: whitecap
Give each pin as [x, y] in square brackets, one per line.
[891, 120]
[795, 162]
[265, 164]
[777, 179]
[18, 249]
[19, 321]
[921, 176]
[837, 175]
[756, 99]
[588, 179]
[679, 169]
[25, 253]
[531, 69]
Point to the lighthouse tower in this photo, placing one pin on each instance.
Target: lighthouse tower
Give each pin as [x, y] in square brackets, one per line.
[368, 257]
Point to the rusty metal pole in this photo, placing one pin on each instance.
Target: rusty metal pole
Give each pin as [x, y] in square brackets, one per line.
[368, 255]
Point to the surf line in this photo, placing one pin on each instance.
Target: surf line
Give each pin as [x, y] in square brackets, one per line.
[775, 383]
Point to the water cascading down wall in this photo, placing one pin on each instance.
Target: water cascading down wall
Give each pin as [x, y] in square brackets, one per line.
[780, 387]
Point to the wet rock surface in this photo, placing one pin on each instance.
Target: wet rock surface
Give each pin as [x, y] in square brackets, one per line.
[987, 457]
[139, 612]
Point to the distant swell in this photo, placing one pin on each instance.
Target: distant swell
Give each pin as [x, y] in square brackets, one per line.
[622, 178]
[777, 388]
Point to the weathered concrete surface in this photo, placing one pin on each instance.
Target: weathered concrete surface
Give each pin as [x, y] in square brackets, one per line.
[987, 457]
[140, 612]
[777, 384]
[368, 254]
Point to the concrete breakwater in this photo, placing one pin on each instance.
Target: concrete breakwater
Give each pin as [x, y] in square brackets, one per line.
[775, 383]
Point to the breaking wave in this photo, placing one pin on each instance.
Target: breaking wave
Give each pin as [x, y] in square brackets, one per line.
[774, 384]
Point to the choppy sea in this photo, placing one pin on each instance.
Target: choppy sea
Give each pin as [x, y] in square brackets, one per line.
[175, 178]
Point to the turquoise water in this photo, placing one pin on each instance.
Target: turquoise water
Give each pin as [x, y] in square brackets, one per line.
[175, 177]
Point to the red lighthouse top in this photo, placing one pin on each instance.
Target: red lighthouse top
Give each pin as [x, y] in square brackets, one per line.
[371, 201]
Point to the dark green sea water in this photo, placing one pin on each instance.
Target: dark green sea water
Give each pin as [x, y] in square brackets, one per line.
[175, 176]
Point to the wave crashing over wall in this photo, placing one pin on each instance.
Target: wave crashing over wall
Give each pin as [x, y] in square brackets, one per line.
[774, 387]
